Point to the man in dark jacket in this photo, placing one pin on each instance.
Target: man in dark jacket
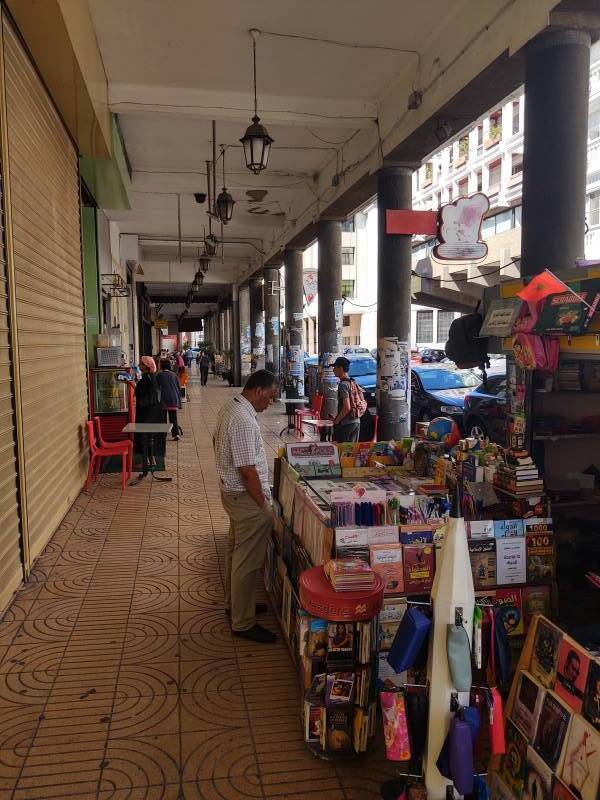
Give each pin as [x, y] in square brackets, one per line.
[204, 367]
[170, 396]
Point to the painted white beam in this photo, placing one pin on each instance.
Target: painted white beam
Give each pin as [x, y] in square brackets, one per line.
[126, 98]
[467, 40]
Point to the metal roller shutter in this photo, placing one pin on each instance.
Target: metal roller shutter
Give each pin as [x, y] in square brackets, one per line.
[11, 568]
[45, 222]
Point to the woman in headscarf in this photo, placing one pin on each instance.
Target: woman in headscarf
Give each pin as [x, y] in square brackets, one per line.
[148, 408]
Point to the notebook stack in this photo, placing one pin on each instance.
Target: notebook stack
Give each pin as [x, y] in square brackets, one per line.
[519, 475]
[349, 575]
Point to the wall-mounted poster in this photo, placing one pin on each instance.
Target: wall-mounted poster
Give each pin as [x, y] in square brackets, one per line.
[393, 377]
[310, 284]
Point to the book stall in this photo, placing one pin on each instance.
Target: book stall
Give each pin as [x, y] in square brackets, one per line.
[361, 512]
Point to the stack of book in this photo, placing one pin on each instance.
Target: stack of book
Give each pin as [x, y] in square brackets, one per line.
[349, 574]
[519, 475]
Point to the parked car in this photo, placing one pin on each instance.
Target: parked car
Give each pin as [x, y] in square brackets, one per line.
[429, 355]
[485, 409]
[363, 368]
[440, 392]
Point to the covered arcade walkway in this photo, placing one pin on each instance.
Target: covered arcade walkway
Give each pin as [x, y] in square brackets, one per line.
[119, 676]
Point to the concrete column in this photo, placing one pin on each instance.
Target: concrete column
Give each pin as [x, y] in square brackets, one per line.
[235, 334]
[330, 307]
[394, 263]
[257, 323]
[294, 356]
[272, 312]
[557, 72]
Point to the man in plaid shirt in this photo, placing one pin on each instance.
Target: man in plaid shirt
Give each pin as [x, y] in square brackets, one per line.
[243, 473]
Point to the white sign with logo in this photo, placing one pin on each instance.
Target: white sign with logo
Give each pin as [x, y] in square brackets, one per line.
[460, 229]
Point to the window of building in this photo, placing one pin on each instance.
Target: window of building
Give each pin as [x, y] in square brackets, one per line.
[496, 126]
[593, 215]
[516, 117]
[463, 147]
[451, 155]
[424, 327]
[439, 200]
[450, 194]
[479, 177]
[479, 138]
[348, 225]
[517, 216]
[504, 221]
[594, 126]
[516, 166]
[463, 187]
[444, 320]
[428, 172]
[351, 341]
[347, 288]
[347, 256]
[495, 174]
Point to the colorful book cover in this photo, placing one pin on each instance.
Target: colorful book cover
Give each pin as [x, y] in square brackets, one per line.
[316, 691]
[387, 677]
[536, 600]
[312, 723]
[317, 639]
[382, 534]
[483, 562]
[339, 730]
[511, 561]
[581, 762]
[538, 525]
[538, 778]
[540, 557]
[552, 730]
[386, 560]
[512, 770]
[506, 528]
[481, 529]
[528, 704]
[390, 618]
[419, 567]
[340, 689]
[509, 600]
[395, 726]
[498, 789]
[416, 534]
[340, 640]
[591, 703]
[560, 791]
[544, 658]
[571, 674]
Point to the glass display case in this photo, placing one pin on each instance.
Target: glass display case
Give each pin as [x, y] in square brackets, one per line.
[110, 395]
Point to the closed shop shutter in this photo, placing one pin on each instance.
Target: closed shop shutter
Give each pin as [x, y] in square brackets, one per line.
[11, 569]
[45, 216]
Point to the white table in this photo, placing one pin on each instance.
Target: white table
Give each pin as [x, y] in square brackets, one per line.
[145, 430]
[318, 424]
[290, 403]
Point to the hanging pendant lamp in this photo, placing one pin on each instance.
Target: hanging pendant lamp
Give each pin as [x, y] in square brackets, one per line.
[224, 202]
[256, 141]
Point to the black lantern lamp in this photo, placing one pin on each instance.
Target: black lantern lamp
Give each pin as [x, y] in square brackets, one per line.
[256, 141]
[224, 202]
[210, 244]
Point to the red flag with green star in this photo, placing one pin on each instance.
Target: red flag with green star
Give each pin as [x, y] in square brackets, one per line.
[541, 286]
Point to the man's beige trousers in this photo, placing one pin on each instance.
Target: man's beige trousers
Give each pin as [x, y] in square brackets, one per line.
[249, 530]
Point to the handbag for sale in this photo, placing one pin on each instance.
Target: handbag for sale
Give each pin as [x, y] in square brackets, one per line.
[461, 754]
[473, 720]
[459, 657]
[410, 636]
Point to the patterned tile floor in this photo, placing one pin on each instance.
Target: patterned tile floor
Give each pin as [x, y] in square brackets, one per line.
[119, 676]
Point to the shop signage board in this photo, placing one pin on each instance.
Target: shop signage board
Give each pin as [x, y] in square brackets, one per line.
[457, 226]
[500, 317]
[161, 323]
[567, 312]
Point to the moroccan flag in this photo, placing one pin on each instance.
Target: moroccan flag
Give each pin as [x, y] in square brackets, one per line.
[541, 286]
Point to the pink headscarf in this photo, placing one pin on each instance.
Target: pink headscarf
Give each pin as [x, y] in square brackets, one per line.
[149, 362]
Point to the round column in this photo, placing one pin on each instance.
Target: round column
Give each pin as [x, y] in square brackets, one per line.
[330, 307]
[271, 296]
[294, 354]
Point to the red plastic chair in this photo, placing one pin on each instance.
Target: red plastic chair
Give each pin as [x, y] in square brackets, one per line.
[98, 453]
[116, 447]
[314, 412]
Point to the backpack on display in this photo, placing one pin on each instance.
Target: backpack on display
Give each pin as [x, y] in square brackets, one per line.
[358, 404]
[464, 346]
[536, 352]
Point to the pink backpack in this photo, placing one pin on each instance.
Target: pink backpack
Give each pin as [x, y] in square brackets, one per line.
[536, 352]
